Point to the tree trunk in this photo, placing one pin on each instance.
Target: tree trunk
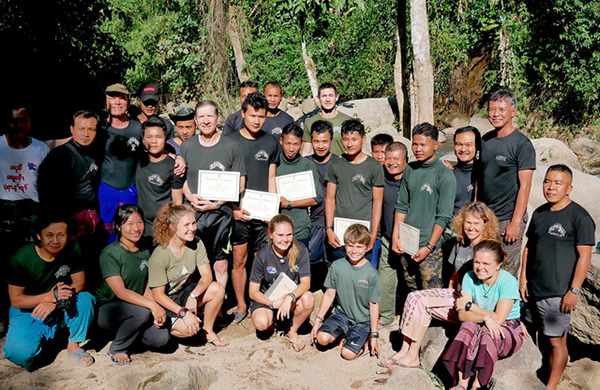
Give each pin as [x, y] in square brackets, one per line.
[398, 80]
[422, 68]
[234, 37]
[311, 72]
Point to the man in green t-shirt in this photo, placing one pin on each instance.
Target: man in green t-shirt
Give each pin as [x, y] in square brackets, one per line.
[45, 286]
[328, 97]
[355, 283]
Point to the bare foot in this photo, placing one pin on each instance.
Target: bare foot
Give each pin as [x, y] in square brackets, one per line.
[297, 343]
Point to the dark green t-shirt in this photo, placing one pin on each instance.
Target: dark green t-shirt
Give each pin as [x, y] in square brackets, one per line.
[27, 269]
[132, 267]
[355, 182]
[356, 287]
[336, 145]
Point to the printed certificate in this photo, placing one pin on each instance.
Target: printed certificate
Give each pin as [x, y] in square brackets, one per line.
[409, 238]
[219, 185]
[261, 205]
[341, 224]
[296, 186]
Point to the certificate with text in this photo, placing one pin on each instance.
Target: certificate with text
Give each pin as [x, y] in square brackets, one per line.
[341, 224]
[261, 205]
[297, 186]
[409, 238]
[219, 185]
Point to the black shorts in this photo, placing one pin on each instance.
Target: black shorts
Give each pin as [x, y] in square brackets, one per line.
[180, 299]
[253, 233]
[214, 229]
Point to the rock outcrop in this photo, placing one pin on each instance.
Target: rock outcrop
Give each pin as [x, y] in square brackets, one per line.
[588, 152]
[551, 151]
[583, 374]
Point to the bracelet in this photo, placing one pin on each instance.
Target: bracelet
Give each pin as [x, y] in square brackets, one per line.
[374, 335]
[182, 312]
[293, 297]
[430, 247]
[194, 296]
[319, 319]
[328, 227]
[272, 305]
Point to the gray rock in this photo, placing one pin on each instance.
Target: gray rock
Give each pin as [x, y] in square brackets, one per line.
[308, 105]
[586, 316]
[391, 130]
[373, 112]
[552, 151]
[166, 375]
[295, 112]
[449, 131]
[588, 152]
[528, 358]
[518, 379]
[410, 379]
[482, 124]
[583, 374]
[456, 120]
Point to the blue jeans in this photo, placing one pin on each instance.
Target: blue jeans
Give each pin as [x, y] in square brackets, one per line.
[25, 333]
[110, 198]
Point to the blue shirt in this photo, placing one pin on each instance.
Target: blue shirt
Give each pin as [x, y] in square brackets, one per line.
[487, 297]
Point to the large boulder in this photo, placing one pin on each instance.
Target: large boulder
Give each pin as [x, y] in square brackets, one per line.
[482, 124]
[584, 374]
[184, 375]
[456, 120]
[373, 112]
[588, 152]
[552, 151]
[391, 130]
[410, 379]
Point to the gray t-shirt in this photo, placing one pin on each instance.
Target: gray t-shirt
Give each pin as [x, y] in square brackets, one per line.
[233, 123]
[274, 124]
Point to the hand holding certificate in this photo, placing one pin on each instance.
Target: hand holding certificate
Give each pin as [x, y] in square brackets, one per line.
[219, 185]
[341, 224]
[261, 205]
[296, 186]
[409, 238]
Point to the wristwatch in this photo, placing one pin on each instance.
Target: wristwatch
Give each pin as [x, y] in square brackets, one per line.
[328, 227]
[374, 335]
[194, 296]
[289, 205]
[575, 291]
[430, 247]
[182, 313]
[468, 306]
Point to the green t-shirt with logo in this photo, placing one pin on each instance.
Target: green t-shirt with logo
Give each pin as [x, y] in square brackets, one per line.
[356, 287]
[132, 267]
[27, 269]
[336, 146]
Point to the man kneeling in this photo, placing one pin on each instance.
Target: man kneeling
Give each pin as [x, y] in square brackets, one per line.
[45, 285]
[355, 282]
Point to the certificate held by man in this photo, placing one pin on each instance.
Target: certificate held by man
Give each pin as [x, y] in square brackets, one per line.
[219, 185]
[261, 205]
[340, 225]
[297, 186]
[409, 238]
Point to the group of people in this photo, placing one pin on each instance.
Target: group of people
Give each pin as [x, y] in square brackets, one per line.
[108, 230]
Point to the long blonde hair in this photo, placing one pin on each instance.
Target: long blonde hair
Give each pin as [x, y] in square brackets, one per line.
[293, 251]
[168, 215]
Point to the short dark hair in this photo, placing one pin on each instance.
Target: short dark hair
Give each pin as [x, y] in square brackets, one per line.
[352, 125]
[503, 94]
[154, 121]
[256, 100]
[397, 147]
[427, 130]
[276, 85]
[321, 127]
[85, 115]
[561, 168]
[470, 129]
[249, 84]
[122, 214]
[327, 86]
[293, 129]
[46, 219]
[381, 139]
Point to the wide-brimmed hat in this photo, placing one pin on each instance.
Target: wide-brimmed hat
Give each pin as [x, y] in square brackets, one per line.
[183, 114]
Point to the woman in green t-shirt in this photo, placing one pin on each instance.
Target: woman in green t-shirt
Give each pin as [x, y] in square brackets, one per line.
[126, 303]
[171, 269]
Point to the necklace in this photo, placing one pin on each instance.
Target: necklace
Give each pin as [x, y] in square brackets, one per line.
[485, 293]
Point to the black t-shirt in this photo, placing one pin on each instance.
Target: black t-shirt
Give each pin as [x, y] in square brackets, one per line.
[267, 266]
[259, 154]
[154, 182]
[552, 248]
[135, 111]
[317, 213]
[68, 179]
[122, 150]
[233, 123]
[274, 124]
[225, 155]
[502, 158]
[390, 195]
[465, 175]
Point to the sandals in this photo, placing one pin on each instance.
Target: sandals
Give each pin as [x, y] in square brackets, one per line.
[115, 361]
[218, 342]
[297, 345]
[238, 317]
[78, 355]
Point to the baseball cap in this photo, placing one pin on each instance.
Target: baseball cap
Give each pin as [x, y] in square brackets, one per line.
[149, 91]
[183, 114]
[116, 89]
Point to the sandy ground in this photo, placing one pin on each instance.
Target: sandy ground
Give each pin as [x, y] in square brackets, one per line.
[247, 363]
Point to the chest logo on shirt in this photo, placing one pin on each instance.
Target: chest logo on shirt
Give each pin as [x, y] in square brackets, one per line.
[93, 168]
[359, 177]
[337, 128]
[427, 187]
[261, 156]
[156, 180]
[276, 130]
[500, 158]
[557, 230]
[32, 166]
[362, 283]
[216, 166]
[470, 188]
[62, 271]
[133, 143]
[271, 270]
[143, 265]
